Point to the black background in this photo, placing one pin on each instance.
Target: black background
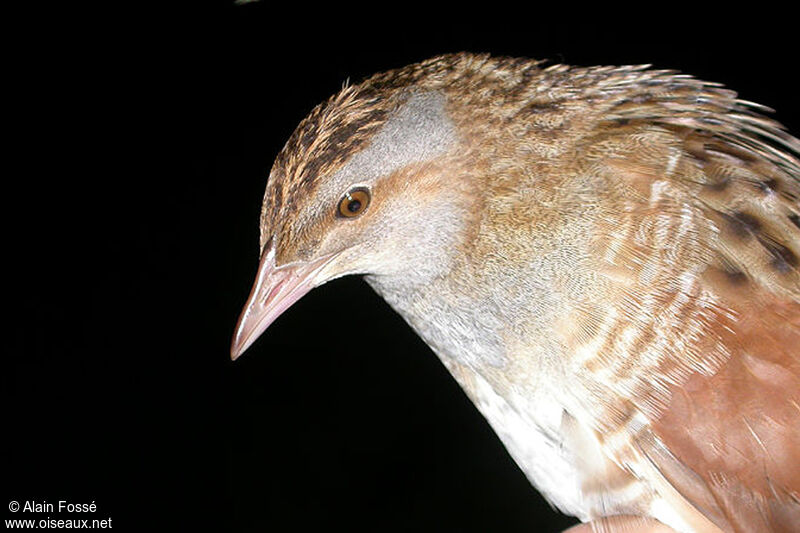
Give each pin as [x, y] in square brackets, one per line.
[141, 142]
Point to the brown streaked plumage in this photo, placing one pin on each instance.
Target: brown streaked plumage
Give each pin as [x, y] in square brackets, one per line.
[605, 258]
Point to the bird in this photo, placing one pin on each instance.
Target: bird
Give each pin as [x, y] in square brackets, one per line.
[605, 259]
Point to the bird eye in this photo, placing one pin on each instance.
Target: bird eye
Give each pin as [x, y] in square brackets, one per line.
[354, 202]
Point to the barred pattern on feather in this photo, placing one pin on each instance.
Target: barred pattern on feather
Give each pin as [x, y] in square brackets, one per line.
[605, 258]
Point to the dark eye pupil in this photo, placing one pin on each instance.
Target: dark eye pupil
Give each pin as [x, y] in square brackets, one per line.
[353, 203]
[353, 206]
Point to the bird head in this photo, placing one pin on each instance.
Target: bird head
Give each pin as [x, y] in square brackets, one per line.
[363, 186]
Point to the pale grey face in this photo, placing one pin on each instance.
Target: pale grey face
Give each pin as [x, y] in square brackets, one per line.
[419, 131]
[397, 170]
[405, 228]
